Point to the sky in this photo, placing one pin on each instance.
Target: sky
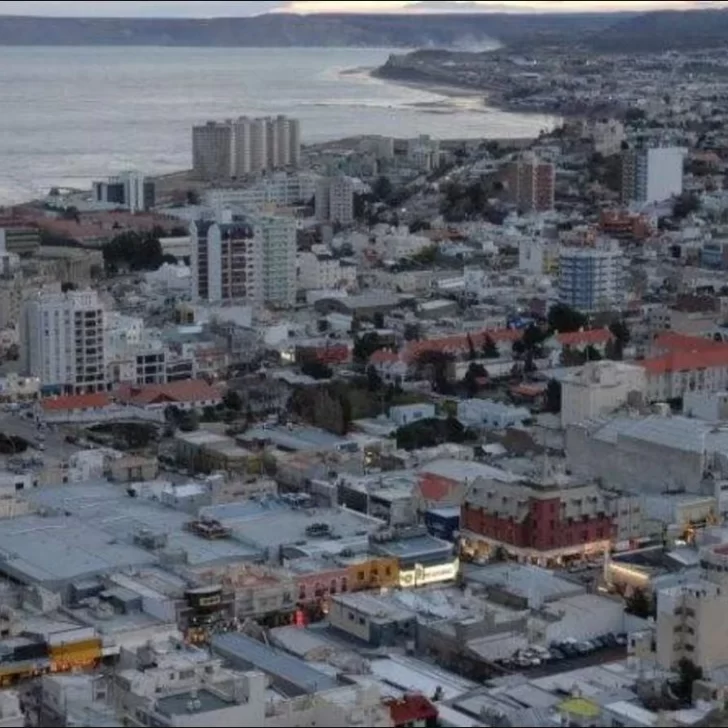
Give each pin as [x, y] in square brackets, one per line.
[230, 8]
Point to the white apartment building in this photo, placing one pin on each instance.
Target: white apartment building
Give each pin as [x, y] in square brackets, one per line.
[278, 234]
[607, 136]
[424, 152]
[133, 354]
[597, 389]
[691, 618]
[243, 146]
[321, 271]
[335, 200]
[128, 190]
[62, 341]
[403, 245]
[652, 175]
[591, 279]
[251, 259]
[280, 189]
[380, 147]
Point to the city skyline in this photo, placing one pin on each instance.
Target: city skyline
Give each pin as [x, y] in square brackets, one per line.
[235, 8]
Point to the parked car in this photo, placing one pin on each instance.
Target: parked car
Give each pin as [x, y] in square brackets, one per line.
[556, 654]
[622, 639]
[611, 639]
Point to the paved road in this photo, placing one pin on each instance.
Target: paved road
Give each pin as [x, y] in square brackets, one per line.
[13, 423]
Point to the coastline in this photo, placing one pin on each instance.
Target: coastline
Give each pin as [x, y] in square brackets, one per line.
[487, 97]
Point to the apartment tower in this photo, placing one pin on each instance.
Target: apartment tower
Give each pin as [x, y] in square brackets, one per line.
[530, 184]
[243, 146]
[62, 341]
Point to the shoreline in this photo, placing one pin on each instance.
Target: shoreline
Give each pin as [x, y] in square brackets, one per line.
[457, 91]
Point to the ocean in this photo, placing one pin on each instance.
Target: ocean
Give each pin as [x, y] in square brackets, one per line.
[71, 115]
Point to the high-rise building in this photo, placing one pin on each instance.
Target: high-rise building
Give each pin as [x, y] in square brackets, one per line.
[62, 341]
[128, 190]
[592, 279]
[279, 258]
[227, 262]
[335, 200]
[212, 150]
[530, 184]
[235, 148]
[244, 259]
[652, 175]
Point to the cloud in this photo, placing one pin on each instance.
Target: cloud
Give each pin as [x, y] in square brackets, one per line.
[236, 8]
[141, 9]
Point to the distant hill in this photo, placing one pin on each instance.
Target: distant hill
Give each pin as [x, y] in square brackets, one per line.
[664, 30]
[286, 30]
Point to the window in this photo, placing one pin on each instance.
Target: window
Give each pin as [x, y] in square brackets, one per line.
[360, 576]
[361, 620]
[351, 616]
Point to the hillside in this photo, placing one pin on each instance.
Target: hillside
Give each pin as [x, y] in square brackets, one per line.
[664, 30]
[285, 30]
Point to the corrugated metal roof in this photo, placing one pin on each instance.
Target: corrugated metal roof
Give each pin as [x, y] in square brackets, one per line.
[239, 648]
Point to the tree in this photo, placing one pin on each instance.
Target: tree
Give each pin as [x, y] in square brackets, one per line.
[232, 400]
[553, 396]
[684, 205]
[490, 348]
[190, 421]
[533, 337]
[382, 189]
[475, 372]
[689, 672]
[620, 331]
[426, 256]
[412, 332]
[472, 355]
[134, 251]
[564, 319]
[592, 354]
[316, 369]
[374, 381]
[436, 366]
[639, 604]
[365, 346]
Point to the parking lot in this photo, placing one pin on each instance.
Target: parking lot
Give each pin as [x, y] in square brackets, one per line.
[569, 654]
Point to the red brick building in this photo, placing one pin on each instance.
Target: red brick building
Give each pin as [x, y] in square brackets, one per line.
[542, 522]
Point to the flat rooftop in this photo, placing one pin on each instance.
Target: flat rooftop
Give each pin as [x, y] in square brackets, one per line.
[523, 580]
[240, 650]
[299, 438]
[409, 548]
[462, 470]
[284, 526]
[87, 529]
[204, 701]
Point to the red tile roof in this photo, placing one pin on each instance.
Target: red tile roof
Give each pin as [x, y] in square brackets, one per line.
[434, 488]
[382, 356]
[683, 342]
[585, 338]
[678, 361]
[459, 343]
[76, 402]
[410, 709]
[186, 390]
